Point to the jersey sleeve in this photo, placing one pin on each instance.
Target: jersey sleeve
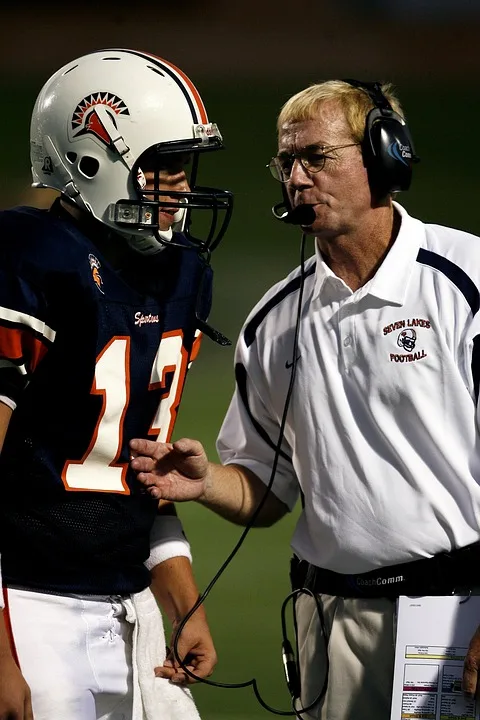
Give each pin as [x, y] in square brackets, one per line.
[250, 431]
[25, 335]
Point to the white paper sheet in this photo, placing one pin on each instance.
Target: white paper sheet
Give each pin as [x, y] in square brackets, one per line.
[433, 634]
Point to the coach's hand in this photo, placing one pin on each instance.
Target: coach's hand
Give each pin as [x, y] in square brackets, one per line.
[471, 668]
[171, 471]
[15, 700]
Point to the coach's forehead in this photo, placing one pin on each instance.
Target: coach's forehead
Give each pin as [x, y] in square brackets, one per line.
[328, 127]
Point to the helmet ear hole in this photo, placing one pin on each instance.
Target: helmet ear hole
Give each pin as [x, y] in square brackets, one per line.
[88, 166]
[71, 156]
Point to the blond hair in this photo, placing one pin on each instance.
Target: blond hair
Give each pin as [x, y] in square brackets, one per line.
[354, 102]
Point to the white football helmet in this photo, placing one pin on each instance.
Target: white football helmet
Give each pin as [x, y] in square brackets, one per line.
[98, 118]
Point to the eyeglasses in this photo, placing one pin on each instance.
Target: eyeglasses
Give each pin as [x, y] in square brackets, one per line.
[311, 158]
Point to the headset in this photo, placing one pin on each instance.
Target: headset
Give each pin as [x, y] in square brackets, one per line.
[387, 149]
[387, 146]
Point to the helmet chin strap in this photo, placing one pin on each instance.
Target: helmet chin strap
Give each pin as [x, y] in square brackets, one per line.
[148, 244]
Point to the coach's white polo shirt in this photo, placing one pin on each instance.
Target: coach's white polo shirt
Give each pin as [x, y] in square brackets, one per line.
[382, 430]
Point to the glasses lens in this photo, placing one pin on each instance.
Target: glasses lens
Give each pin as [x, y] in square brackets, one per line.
[278, 170]
[313, 161]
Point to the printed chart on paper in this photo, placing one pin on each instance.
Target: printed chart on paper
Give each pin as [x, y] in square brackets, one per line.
[433, 634]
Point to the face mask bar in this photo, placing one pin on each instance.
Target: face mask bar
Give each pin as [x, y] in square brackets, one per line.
[144, 212]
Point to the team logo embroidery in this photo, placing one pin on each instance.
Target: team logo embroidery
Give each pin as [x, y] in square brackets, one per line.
[86, 119]
[407, 339]
[95, 266]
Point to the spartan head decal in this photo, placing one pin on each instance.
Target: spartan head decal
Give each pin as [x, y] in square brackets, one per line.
[86, 119]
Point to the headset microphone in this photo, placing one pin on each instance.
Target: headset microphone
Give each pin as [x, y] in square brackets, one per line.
[300, 215]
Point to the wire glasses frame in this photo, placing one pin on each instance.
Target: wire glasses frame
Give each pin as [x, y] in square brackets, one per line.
[312, 159]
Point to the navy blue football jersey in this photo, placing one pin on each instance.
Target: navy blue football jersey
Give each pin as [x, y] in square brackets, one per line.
[92, 355]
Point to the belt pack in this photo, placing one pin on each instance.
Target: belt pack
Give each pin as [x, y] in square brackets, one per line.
[453, 573]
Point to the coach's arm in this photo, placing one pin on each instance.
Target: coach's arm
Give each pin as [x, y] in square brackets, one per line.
[180, 471]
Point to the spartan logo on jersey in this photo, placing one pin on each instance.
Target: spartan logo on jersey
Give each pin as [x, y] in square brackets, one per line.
[86, 119]
[407, 339]
[95, 265]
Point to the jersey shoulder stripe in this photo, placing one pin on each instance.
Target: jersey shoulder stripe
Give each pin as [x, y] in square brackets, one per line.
[291, 287]
[17, 318]
[454, 273]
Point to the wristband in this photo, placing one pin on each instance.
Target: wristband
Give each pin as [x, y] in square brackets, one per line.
[167, 540]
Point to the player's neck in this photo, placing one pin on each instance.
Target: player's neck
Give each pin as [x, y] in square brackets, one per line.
[72, 210]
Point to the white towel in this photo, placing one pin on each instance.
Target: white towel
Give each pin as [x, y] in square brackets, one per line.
[154, 698]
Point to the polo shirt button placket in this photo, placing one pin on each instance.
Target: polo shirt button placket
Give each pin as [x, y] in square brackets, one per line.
[348, 349]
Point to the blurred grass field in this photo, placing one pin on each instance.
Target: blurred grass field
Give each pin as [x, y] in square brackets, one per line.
[244, 606]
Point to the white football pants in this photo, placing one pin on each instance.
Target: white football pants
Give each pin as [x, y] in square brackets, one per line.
[75, 654]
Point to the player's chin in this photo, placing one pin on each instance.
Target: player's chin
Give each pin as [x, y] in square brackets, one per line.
[165, 220]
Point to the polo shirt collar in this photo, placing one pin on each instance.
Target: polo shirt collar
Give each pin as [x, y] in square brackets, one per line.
[391, 279]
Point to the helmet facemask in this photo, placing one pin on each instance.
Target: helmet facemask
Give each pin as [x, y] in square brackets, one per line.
[163, 163]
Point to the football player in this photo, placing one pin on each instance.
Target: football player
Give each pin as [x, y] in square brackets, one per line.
[103, 300]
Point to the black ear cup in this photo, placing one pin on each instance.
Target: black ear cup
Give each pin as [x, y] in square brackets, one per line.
[387, 147]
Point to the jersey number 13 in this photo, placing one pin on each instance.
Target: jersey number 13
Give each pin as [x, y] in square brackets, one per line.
[98, 470]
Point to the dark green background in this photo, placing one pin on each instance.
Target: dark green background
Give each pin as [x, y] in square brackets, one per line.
[244, 607]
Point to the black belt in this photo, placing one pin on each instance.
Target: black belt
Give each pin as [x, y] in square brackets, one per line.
[456, 572]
